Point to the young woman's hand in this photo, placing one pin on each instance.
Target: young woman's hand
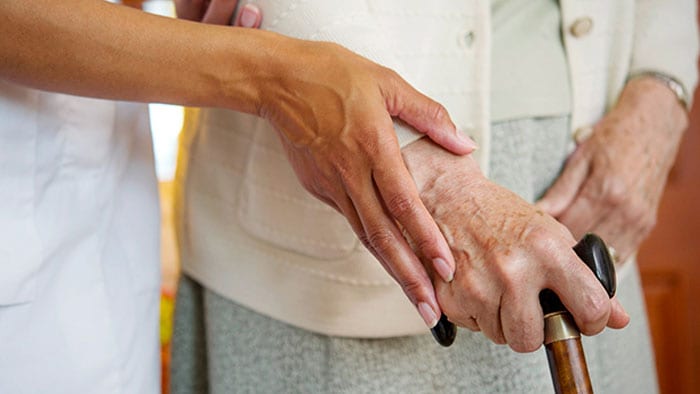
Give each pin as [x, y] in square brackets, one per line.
[333, 110]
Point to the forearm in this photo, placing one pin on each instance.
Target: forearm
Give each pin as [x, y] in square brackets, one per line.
[93, 48]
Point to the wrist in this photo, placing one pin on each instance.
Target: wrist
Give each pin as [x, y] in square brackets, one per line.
[671, 83]
[436, 170]
[245, 67]
[653, 100]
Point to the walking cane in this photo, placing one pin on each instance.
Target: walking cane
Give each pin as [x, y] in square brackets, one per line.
[562, 339]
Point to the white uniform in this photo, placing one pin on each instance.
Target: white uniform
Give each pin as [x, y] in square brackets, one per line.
[79, 257]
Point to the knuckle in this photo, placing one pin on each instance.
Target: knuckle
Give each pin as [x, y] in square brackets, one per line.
[546, 244]
[437, 112]
[389, 75]
[310, 185]
[386, 77]
[541, 239]
[365, 241]
[370, 139]
[401, 206]
[597, 310]
[381, 240]
[615, 190]
[424, 245]
[343, 170]
[509, 272]
[413, 287]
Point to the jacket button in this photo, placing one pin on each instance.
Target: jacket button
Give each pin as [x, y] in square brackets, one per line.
[467, 39]
[582, 134]
[581, 27]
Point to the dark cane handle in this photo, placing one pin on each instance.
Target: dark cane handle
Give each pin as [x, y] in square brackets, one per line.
[592, 250]
[567, 362]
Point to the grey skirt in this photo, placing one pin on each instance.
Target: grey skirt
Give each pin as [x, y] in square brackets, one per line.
[221, 347]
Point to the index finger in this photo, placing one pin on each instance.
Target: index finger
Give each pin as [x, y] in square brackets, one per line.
[401, 198]
[581, 293]
[381, 236]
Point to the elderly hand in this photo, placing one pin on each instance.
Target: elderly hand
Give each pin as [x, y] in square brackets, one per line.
[612, 184]
[506, 252]
[333, 110]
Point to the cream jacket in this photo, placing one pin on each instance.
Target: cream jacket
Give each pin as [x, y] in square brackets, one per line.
[251, 233]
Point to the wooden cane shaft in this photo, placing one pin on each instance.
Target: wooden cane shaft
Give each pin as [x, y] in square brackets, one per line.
[567, 364]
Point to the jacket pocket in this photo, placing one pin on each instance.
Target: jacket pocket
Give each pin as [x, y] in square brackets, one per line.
[274, 207]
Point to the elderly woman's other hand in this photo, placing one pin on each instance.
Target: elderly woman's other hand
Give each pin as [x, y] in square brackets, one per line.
[612, 184]
[506, 251]
[333, 110]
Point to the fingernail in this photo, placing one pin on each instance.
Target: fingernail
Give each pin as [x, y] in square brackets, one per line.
[443, 269]
[249, 16]
[428, 314]
[444, 332]
[466, 140]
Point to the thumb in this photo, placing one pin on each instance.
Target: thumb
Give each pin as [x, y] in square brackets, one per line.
[426, 116]
[566, 187]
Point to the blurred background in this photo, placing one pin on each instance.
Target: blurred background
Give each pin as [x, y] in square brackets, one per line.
[669, 260]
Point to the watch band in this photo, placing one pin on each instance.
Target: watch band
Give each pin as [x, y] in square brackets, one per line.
[672, 83]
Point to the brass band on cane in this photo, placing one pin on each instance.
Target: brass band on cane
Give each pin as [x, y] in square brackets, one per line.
[559, 326]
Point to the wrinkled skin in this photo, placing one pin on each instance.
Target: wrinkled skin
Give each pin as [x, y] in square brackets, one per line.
[612, 184]
[333, 112]
[506, 252]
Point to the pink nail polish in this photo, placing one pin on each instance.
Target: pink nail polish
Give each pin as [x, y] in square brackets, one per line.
[443, 269]
[428, 314]
[249, 16]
